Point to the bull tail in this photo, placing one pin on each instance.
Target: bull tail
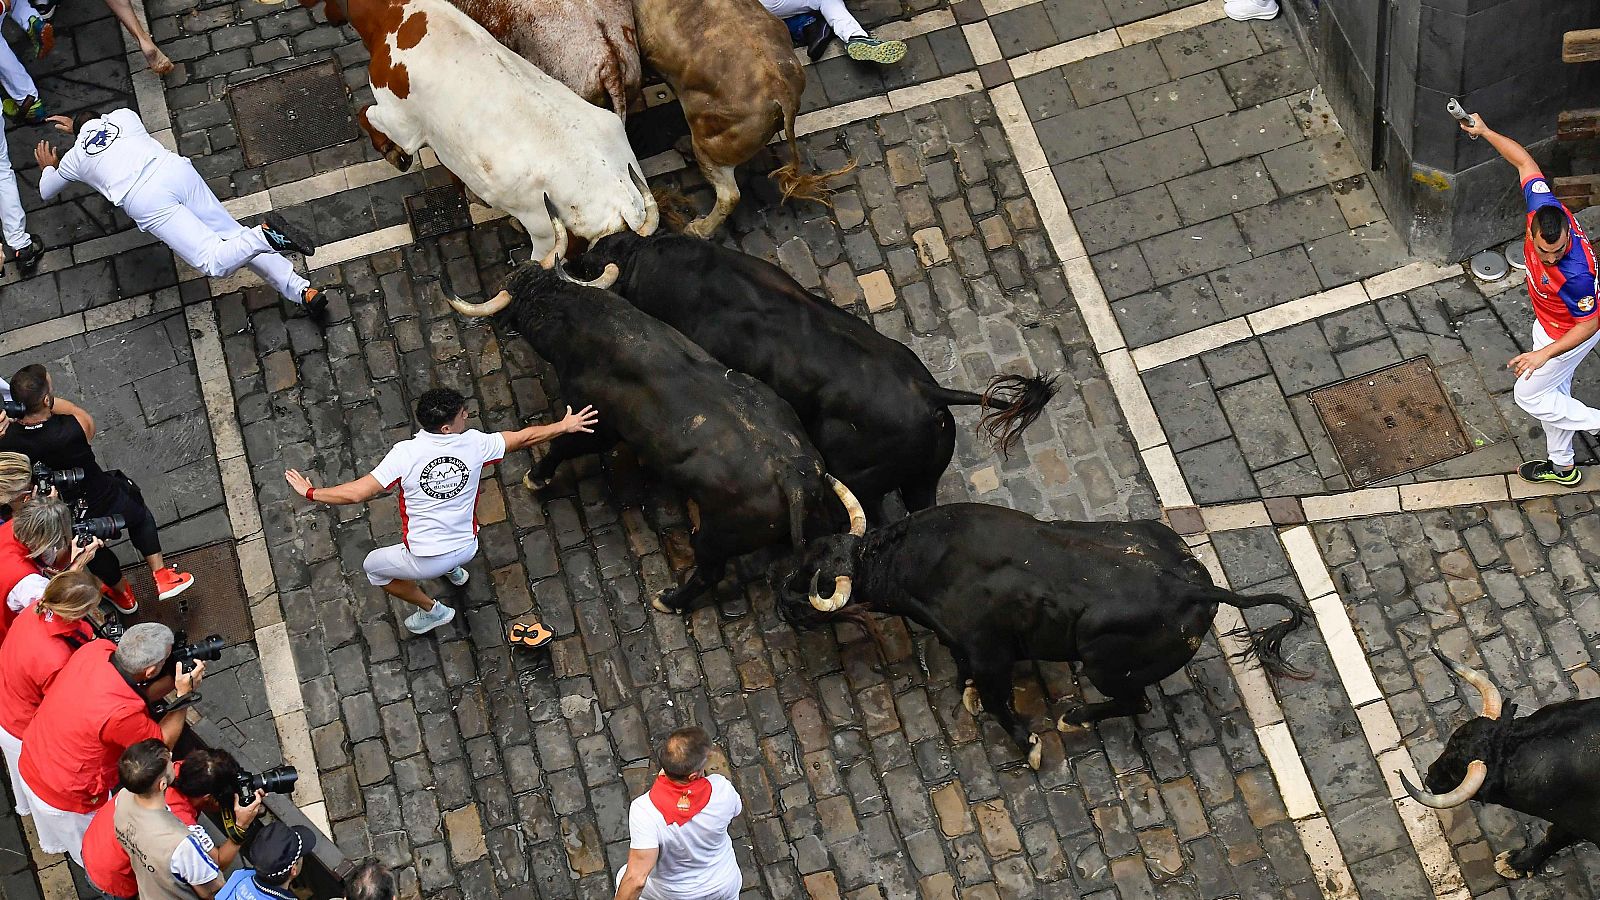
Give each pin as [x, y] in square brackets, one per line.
[796, 184]
[1013, 402]
[1265, 645]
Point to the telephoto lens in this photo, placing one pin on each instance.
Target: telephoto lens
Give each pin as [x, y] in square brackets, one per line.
[103, 527]
[272, 781]
[208, 649]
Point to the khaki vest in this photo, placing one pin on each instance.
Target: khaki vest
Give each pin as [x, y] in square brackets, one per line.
[150, 836]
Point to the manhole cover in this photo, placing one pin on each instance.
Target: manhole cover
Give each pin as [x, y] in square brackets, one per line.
[438, 211]
[292, 112]
[214, 604]
[1390, 422]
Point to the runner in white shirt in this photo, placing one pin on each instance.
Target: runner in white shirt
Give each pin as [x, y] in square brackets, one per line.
[164, 195]
[678, 844]
[437, 473]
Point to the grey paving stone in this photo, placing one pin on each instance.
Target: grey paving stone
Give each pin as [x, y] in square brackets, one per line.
[1217, 473]
[1167, 311]
[1353, 327]
[1266, 432]
[1264, 281]
[1222, 190]
[1186, 404]
[1301, 358]
[1356, 254]
[1235, 363]
[1312, 163]
[1083, 181]
[1115, 74]
[1208, 46]
[1368, 358]
[1299, 219]
[1088, 130]
[1269, 76]
[1122, 272]
[1115, 223]
[1153, 160]
[1023, 30]
[1046, 94]
[1181, 102]
[1248, 132]
[1077, 18]
[1194, 250]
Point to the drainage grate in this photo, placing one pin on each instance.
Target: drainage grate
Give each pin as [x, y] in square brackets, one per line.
[438, 211]
[292, 112]
[1390, 422]
[214, 604]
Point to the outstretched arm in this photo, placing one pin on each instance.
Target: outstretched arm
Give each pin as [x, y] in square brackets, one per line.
[359, 491]
[584, 420]
[1513, 152]
[85, 421]
[640, 864]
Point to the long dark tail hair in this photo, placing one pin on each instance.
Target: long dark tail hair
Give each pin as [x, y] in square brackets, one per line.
[1013, 402]
[1265, 645]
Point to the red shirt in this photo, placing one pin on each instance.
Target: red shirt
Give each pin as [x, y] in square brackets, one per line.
[104, 859]
[1564, 291]
[70, 749]
[31, 656]
[15, 565]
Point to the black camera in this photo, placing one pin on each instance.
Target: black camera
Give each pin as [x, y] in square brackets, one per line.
[272, 781]
[208, 649]
[15, 409]
[46, 477]
[105, 528]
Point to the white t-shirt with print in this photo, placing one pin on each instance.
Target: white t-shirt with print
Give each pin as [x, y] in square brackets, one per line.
[438, 476]
[696, 861]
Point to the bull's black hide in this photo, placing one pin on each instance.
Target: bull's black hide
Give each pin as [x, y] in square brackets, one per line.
[868, 403]
[720, 437]
[996, 586]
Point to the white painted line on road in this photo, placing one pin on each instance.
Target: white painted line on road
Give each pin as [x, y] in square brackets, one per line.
[1234, 516]
[843, 114]
[928, 92]
[1408, 278]
[1191, 343]
[1351, 504]
[1454, 492]
[1275, 318]
[1172, 22]
[1064, 54]
[1355, 673]
[980, 39]
[1136, 406]
[1166, 477]
[1025, 146]
[1300, 546]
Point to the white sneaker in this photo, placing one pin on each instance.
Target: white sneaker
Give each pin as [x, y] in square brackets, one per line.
[1244, 10]
[456, 576]
[422, 622]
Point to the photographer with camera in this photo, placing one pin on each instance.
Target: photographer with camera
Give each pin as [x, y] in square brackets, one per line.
[277, 853]
[206, 781]
[34, 545]
[94, 711]
[35, 650]
[56, 435]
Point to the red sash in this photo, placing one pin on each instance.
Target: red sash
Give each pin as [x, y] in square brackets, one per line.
[678, 803]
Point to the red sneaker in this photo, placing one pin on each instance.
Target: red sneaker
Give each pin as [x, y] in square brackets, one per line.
[125, 603]
[170, 582]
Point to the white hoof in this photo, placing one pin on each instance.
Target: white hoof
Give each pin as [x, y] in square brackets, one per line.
[969, 699]
[532, 485]
[1063, 725]
[1035, 752]
[658, 606]
[1502, 864]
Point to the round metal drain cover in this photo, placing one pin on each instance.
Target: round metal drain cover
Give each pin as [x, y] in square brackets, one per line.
[1489, 266]
[1514, 257]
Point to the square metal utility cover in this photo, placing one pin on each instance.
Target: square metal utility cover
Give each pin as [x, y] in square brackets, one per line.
[437, 211]
[292, 112]
[214, 604]
[1390, 422]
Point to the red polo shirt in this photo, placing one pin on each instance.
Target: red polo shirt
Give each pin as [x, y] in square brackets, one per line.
[104, 860]
[15, 565]
[70, 749]
[32, 654]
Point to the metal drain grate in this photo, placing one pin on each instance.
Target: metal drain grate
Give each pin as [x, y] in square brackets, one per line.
[214, 604]
[292, 112]
[438, 211]
[1390, 422]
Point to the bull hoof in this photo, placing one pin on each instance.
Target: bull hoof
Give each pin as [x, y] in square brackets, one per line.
[1502, 864]
[1035, 752]
[660, 607]
[398, 158]
[1067, 727]
[699, 228]
[532, 484]
[970, 700]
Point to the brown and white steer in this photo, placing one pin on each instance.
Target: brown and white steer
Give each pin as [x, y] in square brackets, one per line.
[519, 140]
[587, 45]
[733, 67]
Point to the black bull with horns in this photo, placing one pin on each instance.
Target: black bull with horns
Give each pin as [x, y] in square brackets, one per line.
[1546, 764]
[997, 586]
[869, 404]
[720, 437]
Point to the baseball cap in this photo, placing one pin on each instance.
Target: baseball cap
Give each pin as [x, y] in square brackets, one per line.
[277, 846]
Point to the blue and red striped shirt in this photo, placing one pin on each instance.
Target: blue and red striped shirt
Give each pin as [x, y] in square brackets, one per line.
[1564, 291]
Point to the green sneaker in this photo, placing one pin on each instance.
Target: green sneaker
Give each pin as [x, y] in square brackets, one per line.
[1542, 471]
[30, 111]
[870, 49]
[42, 35]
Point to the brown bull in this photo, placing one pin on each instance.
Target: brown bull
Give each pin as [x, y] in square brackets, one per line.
[733, 67]
[587, 45]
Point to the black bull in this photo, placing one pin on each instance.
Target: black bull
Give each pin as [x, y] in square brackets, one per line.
[869, 404]
[1546, 764]
[997, 586]
[720, 437]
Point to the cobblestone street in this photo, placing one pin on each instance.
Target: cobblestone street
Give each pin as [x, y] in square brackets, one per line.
[1142, 198]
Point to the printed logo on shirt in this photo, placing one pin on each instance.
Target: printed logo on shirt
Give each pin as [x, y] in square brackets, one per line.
[444, 478]
[1586, 304]
[1539, 187]
[101, 138]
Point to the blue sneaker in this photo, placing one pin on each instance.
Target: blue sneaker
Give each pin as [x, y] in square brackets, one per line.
[456, 576]
[286, 238]
[422, 622]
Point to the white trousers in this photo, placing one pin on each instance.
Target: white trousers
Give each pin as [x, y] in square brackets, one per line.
[839, 19]
[59, 831]
[176, 205]
[14, 77]
[387, 564]
[11, 748]
[1547, 396]
[13, 223]
[652, 891]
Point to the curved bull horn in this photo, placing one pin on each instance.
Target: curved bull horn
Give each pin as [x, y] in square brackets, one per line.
[559, 251]
[840, 596]
[858, 516]
[607, 278]
[1492, 701]
[481, 310]
[1477, 771]
[652, 210]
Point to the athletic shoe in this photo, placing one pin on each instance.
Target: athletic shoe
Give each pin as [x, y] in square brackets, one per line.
[28, 258]
[28, 111]
[126, 604]
[315, 302]
[286, 238]
[422, 622]
[170, 582]
[870, 49]
[456, 576]
[816, 36]
[45, 8]
[1245, 10]
[1542, 471]
[42, 35]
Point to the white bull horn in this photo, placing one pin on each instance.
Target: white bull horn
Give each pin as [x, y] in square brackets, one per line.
[481, 310]
[858, 516]
[652, 210]
[607, 278]
[1492, 701]
[840, 596]
[1477, 771]
[559, 251]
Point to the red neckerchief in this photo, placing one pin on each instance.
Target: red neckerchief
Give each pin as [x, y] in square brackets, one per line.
[678, 803]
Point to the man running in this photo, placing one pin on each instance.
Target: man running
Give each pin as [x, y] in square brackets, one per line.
[166, 197]
[437, 473]
[1561, 284]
